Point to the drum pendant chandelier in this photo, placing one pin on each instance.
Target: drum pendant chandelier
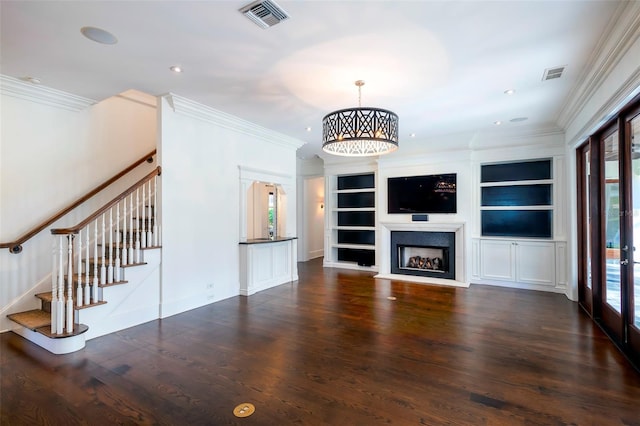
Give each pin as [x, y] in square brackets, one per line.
[360, 132]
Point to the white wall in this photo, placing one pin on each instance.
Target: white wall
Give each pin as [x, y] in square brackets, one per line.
[313, 206]
[200, 151]
[308, 169]
[51, 153]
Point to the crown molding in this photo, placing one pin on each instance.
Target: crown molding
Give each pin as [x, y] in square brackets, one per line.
[202, 112]
[621, 33]
[17, 88]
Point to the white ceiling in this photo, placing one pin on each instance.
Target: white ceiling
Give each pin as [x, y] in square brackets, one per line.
[442, 66]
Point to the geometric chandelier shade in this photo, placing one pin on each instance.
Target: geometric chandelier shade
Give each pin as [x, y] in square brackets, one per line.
[360, 132]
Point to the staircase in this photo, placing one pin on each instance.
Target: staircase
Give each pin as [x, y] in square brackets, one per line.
[105, 258]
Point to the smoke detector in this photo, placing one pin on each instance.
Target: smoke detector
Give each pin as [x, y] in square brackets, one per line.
[552, 73]
[265, 13]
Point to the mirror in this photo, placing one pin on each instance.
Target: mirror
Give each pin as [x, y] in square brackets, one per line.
[265, 217]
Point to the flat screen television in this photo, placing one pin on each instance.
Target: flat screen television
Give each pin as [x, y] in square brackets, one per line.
[422, 194]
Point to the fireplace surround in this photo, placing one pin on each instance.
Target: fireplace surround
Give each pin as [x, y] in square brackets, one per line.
[456, 258]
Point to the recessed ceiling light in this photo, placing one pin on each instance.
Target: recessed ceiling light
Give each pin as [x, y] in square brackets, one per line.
[176, 68]
[308, 129]
[30, 79]
[509, 91]
[98, 35]
[518, 119]
[413, 135]
[497, 122]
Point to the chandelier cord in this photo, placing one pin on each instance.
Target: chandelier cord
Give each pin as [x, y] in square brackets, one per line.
[359, 83]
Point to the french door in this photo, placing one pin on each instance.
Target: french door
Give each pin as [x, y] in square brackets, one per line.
[585, 224]
[608, 168]
[632, 320]
[615, 263]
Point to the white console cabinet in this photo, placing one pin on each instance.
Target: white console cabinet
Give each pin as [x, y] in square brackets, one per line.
[533, 264]
[267, 263]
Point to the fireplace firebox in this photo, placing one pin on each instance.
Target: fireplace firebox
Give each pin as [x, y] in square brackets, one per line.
[425, 254]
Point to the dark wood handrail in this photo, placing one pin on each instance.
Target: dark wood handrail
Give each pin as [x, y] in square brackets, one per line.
[106, 207]
[16, 246]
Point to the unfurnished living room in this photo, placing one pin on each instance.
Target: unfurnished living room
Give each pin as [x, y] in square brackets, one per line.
[283, 212]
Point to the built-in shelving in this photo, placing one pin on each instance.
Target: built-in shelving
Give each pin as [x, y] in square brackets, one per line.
[516, 199]
[352, 218]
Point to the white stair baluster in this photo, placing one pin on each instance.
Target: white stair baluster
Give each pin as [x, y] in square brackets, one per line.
[116, 264]
[149, 213]
[130, 236]
[156, 242]
[60, 302]
[142, 222]
[87, 289]
[124, 241]
[96, 262]
[79, 290]
[103, 266]
[138, 225]
[110, 263]
[54, 289]
[70, 311]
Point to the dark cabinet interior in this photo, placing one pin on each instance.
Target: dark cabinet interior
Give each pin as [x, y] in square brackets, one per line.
[513, 209]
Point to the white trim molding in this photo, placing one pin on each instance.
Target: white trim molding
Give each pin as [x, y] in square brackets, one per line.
[17, 88]
[202, 112]
[620, 36]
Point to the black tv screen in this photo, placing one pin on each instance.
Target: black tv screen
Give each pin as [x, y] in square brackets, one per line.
[422, 194]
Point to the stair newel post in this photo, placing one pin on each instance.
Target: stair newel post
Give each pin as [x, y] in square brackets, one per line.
[149, 213]
[69, 310]
[124, 241]
[87, 290]
[138, 227]
[142, 221]
[116, 264]
[110, 262]
[131, 230]
[103, 264]
[79, 289]
[155, 211]
[54, 288]
[60, 303]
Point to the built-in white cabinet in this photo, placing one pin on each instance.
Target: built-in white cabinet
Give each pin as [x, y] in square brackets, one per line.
[521, 218]
[267, 263]
[520, 261]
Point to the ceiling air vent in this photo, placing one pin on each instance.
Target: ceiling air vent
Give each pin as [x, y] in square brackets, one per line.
[552, 73]
[265, 13]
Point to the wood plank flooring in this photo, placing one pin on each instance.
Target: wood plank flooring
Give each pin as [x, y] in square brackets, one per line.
[332, 349]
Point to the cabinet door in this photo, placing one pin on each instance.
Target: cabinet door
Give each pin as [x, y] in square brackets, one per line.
[497, 260]
[535, 262]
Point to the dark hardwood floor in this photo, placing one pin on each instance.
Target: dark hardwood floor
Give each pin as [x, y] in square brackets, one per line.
[332, 349]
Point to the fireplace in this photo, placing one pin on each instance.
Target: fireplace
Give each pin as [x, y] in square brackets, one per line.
[423, 253]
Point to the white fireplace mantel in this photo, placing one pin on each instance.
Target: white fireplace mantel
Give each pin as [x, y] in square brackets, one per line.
[385, 251]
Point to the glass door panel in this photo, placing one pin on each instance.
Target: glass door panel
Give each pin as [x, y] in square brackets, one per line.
[634, 305]
[587, 212]
[585, 207]
[611, 291]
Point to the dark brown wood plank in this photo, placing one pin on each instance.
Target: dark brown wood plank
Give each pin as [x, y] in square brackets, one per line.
[332, 349]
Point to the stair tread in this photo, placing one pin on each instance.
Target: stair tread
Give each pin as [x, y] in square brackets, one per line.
[47, 296]
[77, 329]
[93, 261]
[33, 319]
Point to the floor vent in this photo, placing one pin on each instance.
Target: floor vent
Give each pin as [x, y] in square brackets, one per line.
[552, 73]
[265, 13]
